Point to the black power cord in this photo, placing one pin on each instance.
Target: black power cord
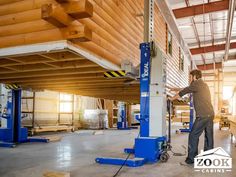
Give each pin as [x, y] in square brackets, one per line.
[118, 171]
[122, 165]
[168, 143]
[169, 106]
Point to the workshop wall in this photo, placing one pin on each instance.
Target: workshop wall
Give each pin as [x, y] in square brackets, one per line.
[48, 111]
[176, 77]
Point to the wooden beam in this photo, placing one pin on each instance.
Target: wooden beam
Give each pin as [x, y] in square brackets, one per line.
[34, 60]
[77, 86]
[60, 56]
[212, 48]
[79, 9]
[7, 62]
[92, 81]
[73, 33]
[2, 2]
[52, 73]
[109, 88]
[107, 91]
[210, 66]
[78, 34]
[56, 15]
[79, 77]
[21, 6]
[201, 9]
[52, 66]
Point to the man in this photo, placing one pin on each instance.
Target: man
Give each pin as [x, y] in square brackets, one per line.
[204, 114]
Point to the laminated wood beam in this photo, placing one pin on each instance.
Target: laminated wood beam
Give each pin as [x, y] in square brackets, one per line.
[79, 9]
[78, 33]
[56, 15]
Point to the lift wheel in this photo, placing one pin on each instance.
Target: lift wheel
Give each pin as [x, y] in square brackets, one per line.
[164, 157]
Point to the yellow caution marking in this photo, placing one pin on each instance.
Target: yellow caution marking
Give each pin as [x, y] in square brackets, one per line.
[12, 86]
[114, 74]
[122, 72]
[107, 75]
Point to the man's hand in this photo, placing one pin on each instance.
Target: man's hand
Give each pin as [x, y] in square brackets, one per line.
[174, 97]
[174, 89]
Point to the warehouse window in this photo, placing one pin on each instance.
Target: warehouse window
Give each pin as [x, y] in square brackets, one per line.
[66, 102]
[169, 43]
[181, 60]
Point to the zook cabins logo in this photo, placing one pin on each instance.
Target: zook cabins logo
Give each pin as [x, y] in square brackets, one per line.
[213, 161]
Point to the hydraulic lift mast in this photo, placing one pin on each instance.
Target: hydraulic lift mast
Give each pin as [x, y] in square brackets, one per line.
[150, 145]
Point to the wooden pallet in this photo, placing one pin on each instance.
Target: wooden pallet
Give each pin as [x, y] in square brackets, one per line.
[51, 129]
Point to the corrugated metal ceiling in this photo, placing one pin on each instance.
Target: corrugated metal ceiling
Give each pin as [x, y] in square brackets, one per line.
[210, 28]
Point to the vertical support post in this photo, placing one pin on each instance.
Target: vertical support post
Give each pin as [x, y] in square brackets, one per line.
[145, 89]
[16, 100]
[148, 20]
[218, 89]
[59, 111]
[73, 110]
[145, 67]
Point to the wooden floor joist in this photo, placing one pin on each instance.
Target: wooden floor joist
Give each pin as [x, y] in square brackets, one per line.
[66, 72]
[115, 38]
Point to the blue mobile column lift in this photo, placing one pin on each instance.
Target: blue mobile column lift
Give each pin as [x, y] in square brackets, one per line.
[152, 144]
[122, 123]
[14, 134]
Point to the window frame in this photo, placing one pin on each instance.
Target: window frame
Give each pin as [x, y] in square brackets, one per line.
[181, 60]
[169, 42]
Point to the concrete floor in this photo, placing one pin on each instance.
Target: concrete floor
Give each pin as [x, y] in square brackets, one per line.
[75, 153]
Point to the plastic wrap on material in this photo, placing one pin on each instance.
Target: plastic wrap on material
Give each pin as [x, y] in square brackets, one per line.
[95, 119]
